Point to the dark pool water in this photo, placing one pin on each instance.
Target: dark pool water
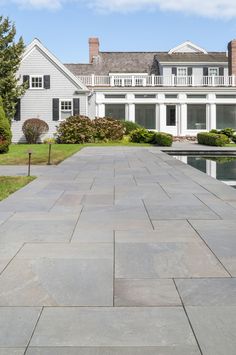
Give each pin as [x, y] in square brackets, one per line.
[221, 168]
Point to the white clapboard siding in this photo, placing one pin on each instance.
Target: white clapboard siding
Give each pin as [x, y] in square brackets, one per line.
[37, 103]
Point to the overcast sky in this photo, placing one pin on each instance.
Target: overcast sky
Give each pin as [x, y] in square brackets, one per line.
[122, 25]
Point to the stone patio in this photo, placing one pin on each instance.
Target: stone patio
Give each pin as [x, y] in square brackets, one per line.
[118, 251]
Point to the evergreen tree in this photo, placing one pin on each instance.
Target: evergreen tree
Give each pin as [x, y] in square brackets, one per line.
[10, 58]
[5, 131]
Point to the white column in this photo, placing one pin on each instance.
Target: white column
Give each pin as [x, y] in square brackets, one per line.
[157, 117]
[126, 112]
[101, 110]
[212, 117]
[162, 118]
[131, 113]
[182, 129]
[211, 168]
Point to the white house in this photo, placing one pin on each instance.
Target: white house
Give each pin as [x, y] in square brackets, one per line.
[183, 91]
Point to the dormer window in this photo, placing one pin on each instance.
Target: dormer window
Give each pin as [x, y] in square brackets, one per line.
[182, 71]
[213, 71]
[36, 82]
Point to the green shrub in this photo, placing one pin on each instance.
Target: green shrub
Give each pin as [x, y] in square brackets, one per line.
[33, 129]
[75, 130]
[162, 139]
[212, 139]
[108, 129]
[229, 132]
[5, 131]
[141, 135]
[130, 126]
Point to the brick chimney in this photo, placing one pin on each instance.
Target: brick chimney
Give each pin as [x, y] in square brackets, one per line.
[93, 48]
[232, 57]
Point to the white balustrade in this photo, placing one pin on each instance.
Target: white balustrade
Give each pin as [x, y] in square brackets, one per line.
[154, 80]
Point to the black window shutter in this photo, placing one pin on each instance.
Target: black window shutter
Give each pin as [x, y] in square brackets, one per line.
[26, 79]
[190, 71]
[221, 71]
[205, 71]
[76, 107]
[46, 81]
[174, 71]
[55, 109]
[18, 110]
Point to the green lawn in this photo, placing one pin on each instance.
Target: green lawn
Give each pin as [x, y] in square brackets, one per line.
[10, 184]
[18, 153]
[231, 145]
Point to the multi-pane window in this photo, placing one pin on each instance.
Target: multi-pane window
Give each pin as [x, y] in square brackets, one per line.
[196, 117]
[171, 115]
[213, 71]
[182, 71]
[36, 82]
[225, 116]
[66, 109]
[116, 111]
[145, 115]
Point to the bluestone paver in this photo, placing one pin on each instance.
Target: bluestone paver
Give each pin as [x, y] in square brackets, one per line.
[146, 292]
[118, 251]
[207, 292]
[215, 328]
[121, 350]
[59, 275]
[113, 327]
[16, 325]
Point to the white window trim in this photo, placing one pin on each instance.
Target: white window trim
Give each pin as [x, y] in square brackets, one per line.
[214, 68]
[36, 76]
[182, 76]
[62, 100]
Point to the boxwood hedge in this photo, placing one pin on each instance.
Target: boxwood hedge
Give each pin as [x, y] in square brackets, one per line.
[213, 139]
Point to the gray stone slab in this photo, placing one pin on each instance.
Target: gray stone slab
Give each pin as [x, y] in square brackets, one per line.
[98, 200]
[215, 329]
[165, 231]
[157, 350]
[59, 275]
[220, 236]
[176, 187]
[113, 327]
[221, 208]
[116, 217]
[4, 216]
[141, 293]
[12, 351]
[90, 235]
[207, 292]
[165, 260]
[223, 191]
[17, 325]
[175, 209]
[22, 203]
[29, 227]
[69, 203]
[7, 252]
[70, 185]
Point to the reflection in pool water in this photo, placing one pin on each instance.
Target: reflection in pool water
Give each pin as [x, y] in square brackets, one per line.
[221, 168]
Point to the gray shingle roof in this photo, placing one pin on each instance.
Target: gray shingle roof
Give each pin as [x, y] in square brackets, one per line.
[211, 57]
[140, 62]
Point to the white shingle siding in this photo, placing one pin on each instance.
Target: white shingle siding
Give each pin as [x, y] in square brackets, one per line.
[37, 103]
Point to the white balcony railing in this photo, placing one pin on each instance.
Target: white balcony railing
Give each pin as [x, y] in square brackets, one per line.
[153, 80]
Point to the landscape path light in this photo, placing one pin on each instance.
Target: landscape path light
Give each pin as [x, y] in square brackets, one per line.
[29, 160]
[49, 152]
